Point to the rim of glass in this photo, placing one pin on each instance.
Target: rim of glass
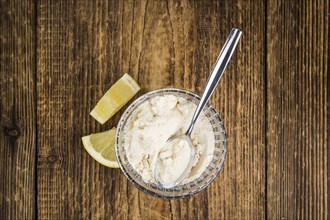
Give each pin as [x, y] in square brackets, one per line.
[120, 127]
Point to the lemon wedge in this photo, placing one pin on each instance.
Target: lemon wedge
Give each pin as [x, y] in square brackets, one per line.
[101, 146]
[115, 98]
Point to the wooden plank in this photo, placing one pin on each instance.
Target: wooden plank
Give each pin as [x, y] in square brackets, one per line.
[79, 58]
[297, 117]
[239, 191]
[17, 110]
[84, 47]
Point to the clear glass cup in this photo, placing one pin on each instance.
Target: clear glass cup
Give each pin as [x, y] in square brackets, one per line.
[180, 191]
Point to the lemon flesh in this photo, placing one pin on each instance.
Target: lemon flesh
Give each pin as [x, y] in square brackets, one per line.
[101, 146]
[115, 98]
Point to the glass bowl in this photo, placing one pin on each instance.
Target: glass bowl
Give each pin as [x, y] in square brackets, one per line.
[180, 191]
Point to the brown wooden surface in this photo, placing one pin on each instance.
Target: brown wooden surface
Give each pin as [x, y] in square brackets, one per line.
[18, 110]
[297, 98]
[59, 57]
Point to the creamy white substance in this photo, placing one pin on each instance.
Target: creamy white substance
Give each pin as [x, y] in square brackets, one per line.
[153, 123]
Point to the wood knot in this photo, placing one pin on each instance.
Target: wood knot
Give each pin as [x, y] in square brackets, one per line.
[52, 158]
[11, 131]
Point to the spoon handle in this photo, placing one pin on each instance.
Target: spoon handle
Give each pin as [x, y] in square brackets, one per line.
[216, 73]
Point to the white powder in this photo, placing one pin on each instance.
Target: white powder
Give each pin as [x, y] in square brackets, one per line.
[153, 123]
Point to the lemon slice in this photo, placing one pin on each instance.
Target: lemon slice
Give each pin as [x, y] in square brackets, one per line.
[117, 96]
[101, 146]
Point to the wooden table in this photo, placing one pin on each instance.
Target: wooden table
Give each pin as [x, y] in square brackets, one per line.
[59, 57]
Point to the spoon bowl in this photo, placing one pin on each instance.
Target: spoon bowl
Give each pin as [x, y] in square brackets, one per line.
[189, 165]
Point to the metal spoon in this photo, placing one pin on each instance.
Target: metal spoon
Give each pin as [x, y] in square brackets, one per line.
[216, 73]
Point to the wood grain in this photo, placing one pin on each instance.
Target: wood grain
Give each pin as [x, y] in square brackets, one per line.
[84, 47]
[297, 90]
[59, 57]
[17, 110]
